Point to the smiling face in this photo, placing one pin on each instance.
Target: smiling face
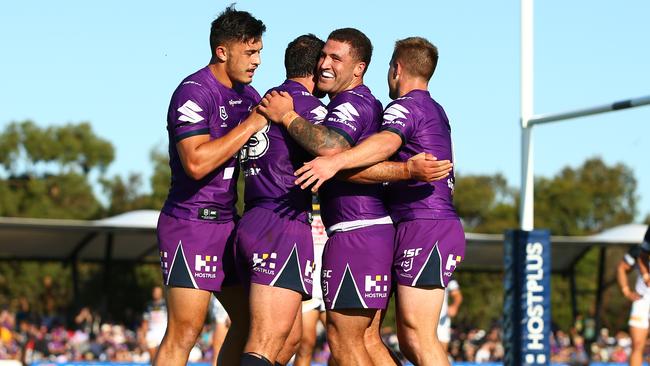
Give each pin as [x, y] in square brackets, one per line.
[241, 59]
[338, 69]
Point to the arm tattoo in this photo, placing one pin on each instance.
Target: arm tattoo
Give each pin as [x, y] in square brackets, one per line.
[386, 171]
[317, 139]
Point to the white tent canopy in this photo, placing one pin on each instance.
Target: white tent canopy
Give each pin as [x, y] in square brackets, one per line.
[131, 236]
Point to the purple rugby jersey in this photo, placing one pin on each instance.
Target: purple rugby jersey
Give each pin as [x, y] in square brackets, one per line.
[356, 115]
[271, 156]
[201, 105]
[423, 126]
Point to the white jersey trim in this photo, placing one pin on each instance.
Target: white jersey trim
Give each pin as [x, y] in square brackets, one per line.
[357, 224]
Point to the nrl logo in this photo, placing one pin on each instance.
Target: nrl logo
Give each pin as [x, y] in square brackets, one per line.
[222, 113]
[407, 265]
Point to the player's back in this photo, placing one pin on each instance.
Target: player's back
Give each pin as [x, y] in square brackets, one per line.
[423, 126]
[271, 156]
[201, 105]
[356, 115]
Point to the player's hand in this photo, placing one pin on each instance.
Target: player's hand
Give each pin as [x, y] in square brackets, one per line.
[276, 105]
[425, 167]
[631, 295]
[452, 311]
[316, 172]
[256, 120]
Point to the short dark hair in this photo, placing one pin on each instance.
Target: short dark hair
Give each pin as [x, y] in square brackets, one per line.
[359, 44]
[235, 25]
[301, 56]
[418, 56]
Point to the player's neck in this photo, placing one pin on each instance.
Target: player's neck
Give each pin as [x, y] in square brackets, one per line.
[408, 85]
[353, 84]
[219, 72]
[307, 82]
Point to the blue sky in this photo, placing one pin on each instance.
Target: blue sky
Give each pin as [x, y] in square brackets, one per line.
[116, 64]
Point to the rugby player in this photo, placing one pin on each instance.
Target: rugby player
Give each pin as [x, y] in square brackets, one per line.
[274, 247]
[208, 121]
[637, 257]
[430, 241]
[357, 258]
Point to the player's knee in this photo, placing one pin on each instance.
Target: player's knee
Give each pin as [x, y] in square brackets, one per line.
[307, 343]
[184, 337]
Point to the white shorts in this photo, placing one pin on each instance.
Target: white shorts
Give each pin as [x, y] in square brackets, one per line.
[444, 329]
[314, 303]
[640, 313]
[218, 311]
[154, 337]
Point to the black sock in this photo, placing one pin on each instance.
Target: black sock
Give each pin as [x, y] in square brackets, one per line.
[278, 364]
[254, 359]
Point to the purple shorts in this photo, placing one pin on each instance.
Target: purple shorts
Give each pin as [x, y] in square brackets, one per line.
[357, 268]
[275, 251]
[195, 254]
[428, 251]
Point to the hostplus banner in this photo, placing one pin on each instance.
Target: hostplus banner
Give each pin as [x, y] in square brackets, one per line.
[527, 298]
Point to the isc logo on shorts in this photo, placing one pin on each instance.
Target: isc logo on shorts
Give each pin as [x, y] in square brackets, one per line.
[376, 286]
[409, 254]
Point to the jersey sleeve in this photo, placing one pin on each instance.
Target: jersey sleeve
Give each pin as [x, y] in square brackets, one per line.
[453, 285]
[646, 241]
[400, 119]
[188, 112]
[631, 256]
[347, 119]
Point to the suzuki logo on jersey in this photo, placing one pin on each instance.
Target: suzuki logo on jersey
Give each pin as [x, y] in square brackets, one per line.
[205, 267]
[410, 254]
[319, 114]
[346, 112]
[189, 112]
[222, 113]
[376, 286]
[452, 262]
[394, 112]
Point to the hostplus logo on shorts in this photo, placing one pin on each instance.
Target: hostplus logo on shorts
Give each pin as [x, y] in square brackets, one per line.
[163, 262]
[376, 286]
[264, 263]
[309, 272]
[205, 267]
[452, 261]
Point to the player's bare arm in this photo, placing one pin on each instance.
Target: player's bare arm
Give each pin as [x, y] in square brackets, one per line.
[317, 140]
[376, 148]
[621, 276]
[200, 155]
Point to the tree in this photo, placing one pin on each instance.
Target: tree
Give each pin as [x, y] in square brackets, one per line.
[46, 170]
[485, 203]
[587, 199]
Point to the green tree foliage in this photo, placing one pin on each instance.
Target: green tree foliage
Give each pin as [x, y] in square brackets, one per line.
[485, 203]
[46, 170]
[161, 177]
[587, 199]
[576, 201]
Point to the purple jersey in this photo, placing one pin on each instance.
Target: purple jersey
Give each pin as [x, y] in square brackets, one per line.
[201, 105]
[356, 115]
[423, 126]
[271, 156]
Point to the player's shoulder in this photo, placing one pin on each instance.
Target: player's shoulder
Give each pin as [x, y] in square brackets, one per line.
[195, 85]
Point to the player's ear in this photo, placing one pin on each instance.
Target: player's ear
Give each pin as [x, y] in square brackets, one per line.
[359, 69]
[397, 70]
[221, 53]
